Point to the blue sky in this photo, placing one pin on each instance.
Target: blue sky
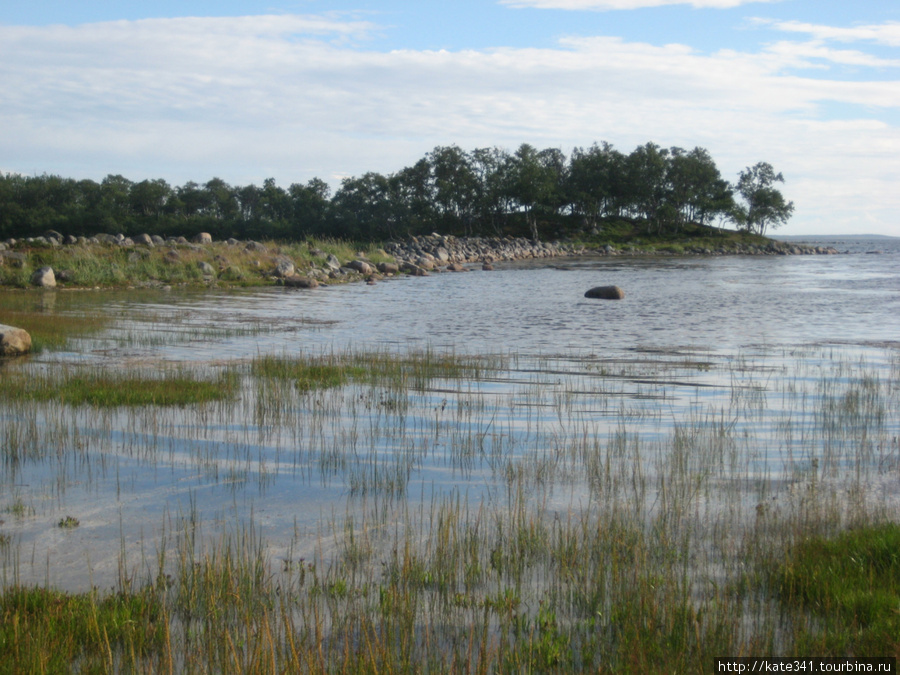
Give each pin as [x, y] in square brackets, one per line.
[295, 89]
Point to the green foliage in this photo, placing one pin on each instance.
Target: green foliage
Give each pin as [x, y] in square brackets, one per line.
[764, 205]
[485, 192]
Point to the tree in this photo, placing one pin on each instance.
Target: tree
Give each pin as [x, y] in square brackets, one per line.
[764, 205]
[696, 188]
[536, 179]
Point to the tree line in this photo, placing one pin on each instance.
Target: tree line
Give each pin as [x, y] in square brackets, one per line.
[486, 192]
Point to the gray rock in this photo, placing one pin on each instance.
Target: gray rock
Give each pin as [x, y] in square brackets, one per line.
[297, 281]
[255, 246]
[203, 238]
[284, 267]
[44, 278]
[605, 293]
[388, 268]
[143, 240]
[206, 269]
[14, 341]
[360, 266]
[333, 262]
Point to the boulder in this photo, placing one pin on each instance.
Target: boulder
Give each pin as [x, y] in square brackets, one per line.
[605, 293]
[297, 281]
[206, 269]
[44, 278]
[360, 266]
[14, 341]
[143, 240]
[284, 268]
[203, 238]
[388, 268]
[455, 267]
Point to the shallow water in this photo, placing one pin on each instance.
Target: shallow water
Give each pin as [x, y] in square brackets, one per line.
[751, 347]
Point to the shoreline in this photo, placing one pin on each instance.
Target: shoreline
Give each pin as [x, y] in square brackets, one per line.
[118, 262]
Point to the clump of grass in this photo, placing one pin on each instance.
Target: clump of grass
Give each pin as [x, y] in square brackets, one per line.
[107, 389]
[850, 584]
[68, 523]
[413, 370]
[307, 374]
[48, 631]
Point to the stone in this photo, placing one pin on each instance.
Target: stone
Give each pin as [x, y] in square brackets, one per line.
[44, 278]
[203, 238]
[232, 273]
[143, 240]
[255, 246]
[388, 268]
[605, 293]
[455, 267]
[333, 262]
[360, 266]
[487, 267]
[297, 281]
[14, 341]
[206, 269]
[284, 268]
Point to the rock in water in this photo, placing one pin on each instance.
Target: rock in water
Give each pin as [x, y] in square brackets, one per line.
[606, 293]
[14, 341]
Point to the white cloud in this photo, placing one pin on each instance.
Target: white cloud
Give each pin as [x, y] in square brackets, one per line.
[608, 5]
[887, 33]
[297, 97]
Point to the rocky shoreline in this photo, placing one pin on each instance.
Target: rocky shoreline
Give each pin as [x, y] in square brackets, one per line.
[307, 266]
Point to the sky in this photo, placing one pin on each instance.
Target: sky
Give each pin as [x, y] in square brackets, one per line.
[188, 90]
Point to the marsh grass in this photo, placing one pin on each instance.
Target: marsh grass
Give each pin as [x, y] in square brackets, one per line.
[844, 591]
[414, 370]
[48, 631]
[512, 515]
[103, 388]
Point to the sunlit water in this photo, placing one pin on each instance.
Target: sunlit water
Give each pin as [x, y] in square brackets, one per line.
[738, 342]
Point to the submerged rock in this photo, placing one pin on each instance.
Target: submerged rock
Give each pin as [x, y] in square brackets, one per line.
[605, 293]
[14, 341]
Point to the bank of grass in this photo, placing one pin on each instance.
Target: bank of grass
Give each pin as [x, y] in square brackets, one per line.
[173, 264]
[106, 389]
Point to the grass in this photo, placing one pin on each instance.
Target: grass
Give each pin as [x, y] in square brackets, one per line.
[847, 588]
[411, 370]
[112, 266]
[108, 389]
[513, 514]
[48, 631]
